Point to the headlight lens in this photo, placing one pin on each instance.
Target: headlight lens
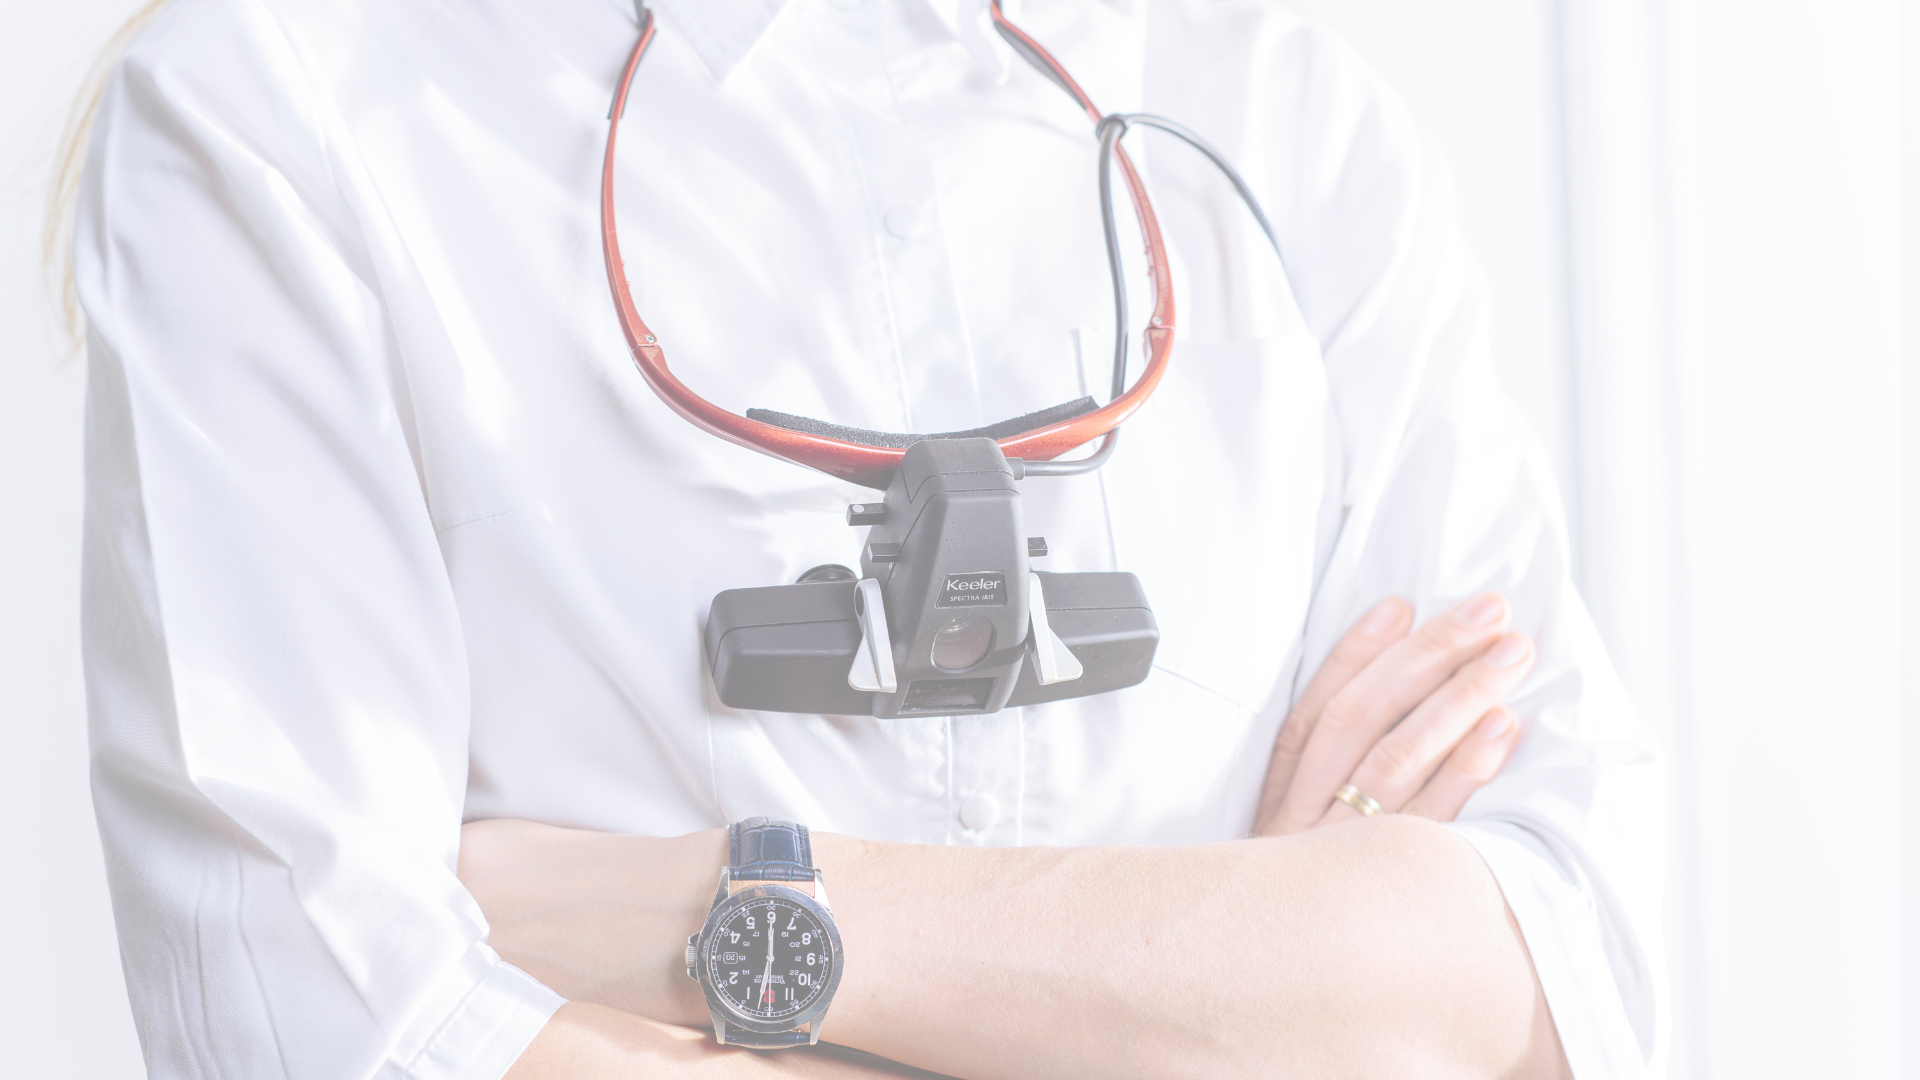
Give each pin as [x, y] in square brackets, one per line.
[961, 643]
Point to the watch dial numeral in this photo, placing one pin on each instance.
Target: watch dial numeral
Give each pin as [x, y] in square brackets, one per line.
[748, 971]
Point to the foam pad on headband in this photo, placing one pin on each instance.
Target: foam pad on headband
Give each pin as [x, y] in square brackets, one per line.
[1004, 429]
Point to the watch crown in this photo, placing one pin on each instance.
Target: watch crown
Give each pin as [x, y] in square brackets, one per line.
[692, 956]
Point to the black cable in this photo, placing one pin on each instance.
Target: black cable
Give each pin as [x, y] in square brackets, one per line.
[1220, 162]
[1112, 129]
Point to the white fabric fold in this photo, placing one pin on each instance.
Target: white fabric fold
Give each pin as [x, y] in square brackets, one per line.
[1576, 966]
[477, 1021]
[972, 23]
[721, 32]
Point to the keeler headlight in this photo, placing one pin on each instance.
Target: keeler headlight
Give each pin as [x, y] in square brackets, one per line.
[946, 615]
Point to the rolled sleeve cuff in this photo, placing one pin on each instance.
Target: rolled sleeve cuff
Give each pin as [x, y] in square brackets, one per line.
[1562, 932]
[475, 1023]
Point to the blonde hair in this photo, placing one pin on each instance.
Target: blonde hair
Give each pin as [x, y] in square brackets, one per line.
[63, 184]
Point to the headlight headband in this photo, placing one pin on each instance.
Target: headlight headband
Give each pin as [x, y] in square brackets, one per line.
[859, 457]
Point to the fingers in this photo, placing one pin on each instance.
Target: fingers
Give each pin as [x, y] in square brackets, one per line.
[1378, 629]
[1393, 684]
[1398, 765]
[1476, 760]
[1387, 623]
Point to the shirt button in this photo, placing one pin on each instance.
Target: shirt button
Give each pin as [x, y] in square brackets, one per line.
[979, 811]
[905, 220]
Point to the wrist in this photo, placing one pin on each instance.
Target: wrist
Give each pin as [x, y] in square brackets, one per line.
[768, 957]
[686, 887]
[853, 870]
[843, 860]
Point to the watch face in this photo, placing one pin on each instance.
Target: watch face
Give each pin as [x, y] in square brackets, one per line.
[770, 958]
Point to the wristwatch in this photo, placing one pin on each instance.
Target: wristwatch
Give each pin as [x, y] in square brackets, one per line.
[769, 954]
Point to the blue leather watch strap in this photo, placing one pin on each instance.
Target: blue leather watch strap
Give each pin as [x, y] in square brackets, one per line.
[764, 849]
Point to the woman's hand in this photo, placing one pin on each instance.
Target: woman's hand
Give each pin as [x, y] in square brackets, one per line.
[1413, 721]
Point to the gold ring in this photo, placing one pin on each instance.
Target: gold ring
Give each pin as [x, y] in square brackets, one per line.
[1357, 799]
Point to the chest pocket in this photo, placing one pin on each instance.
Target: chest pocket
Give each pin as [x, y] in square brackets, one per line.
[1214, 493]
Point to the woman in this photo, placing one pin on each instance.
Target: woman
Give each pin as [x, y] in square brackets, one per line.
[385, 535]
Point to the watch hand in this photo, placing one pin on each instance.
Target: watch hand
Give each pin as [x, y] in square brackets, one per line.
[766, 981]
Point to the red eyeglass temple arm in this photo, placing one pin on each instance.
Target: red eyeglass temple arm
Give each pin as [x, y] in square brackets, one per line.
[873, 466]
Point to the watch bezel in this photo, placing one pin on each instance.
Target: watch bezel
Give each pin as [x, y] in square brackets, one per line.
[723, 1006]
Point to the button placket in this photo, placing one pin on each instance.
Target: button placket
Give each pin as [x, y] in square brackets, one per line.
[930, 336]
[987, 763]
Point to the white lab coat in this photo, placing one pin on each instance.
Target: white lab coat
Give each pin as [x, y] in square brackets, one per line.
[385, 533]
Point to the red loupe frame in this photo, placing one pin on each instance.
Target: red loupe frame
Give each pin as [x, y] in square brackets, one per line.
[873, 466]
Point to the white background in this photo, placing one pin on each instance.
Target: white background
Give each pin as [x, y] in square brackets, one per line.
[1690, 214]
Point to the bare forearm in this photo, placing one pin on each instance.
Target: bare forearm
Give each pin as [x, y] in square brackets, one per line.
[1379, 948]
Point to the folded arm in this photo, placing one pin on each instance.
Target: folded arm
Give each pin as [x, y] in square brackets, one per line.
[1377, 947]
[1350, 946]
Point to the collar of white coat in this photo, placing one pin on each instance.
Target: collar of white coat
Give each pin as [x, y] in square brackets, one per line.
[723, 32]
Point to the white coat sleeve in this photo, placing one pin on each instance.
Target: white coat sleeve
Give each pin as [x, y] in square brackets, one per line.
[277, 685]
[1445, 493]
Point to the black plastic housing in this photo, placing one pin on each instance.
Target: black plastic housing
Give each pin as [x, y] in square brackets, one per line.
[949, 554]
[787, 648]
